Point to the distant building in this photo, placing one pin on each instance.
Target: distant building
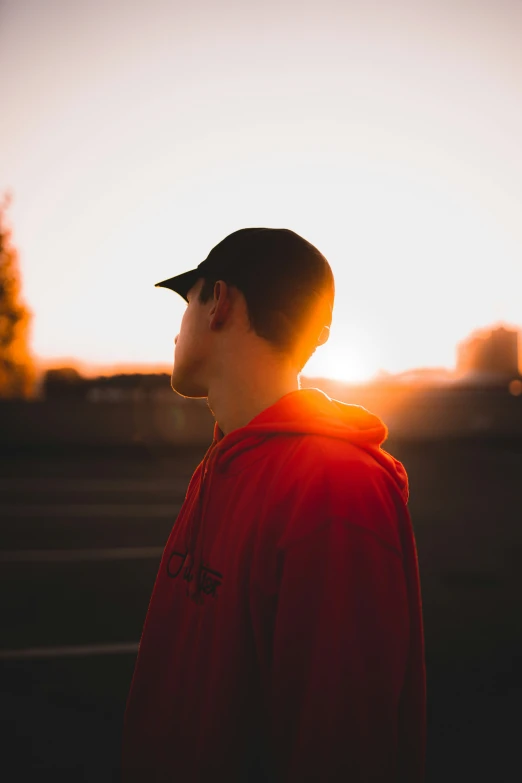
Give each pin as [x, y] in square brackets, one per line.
[140, 388]
[489, 353]
[137, 388]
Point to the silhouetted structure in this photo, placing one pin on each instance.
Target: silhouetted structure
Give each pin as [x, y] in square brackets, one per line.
[490, 353]
[64, 383]
[67, 383]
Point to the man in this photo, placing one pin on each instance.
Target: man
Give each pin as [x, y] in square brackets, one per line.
[284, 637]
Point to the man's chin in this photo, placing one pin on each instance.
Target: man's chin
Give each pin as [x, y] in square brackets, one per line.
[187, 388]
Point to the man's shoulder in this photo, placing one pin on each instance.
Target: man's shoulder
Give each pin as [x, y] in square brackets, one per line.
[316, 455]
[324, 473]
[320, 478]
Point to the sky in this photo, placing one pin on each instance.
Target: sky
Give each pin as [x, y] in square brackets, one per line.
[136, 135]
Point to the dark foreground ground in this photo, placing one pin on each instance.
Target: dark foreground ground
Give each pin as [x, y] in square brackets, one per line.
[82, 533]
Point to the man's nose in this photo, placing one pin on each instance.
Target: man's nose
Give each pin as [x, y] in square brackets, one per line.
[176, 339]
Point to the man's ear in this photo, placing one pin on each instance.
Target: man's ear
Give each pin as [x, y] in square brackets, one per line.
[324, 335]
[222, 305]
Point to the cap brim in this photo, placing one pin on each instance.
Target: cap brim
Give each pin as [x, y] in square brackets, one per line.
[181, 284]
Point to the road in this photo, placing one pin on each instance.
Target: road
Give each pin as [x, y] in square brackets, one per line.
[81, 538]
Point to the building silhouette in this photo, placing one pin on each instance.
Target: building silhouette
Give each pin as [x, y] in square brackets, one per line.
[490, 353]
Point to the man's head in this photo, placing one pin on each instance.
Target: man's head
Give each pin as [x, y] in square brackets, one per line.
[260, 294]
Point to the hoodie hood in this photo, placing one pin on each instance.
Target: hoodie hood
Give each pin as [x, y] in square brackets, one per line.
[301, 412]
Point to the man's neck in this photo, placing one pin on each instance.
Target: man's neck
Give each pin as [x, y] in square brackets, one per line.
[234, 402]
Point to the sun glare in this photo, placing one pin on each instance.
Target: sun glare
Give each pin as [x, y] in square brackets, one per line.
[340, 363]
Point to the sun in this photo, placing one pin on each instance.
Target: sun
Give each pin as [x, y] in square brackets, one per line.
[334, 361]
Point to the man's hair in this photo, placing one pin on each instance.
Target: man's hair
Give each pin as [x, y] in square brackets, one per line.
[290, 320]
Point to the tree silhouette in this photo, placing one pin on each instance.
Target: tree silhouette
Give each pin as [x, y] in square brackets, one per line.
[17, 373]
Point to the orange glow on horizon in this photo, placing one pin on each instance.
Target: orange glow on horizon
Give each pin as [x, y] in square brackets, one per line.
[328, 362]
[94, 369]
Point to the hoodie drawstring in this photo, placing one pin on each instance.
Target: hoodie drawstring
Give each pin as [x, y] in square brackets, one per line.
[196, 534]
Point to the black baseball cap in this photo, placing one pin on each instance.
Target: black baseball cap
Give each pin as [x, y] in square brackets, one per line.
[274, 262]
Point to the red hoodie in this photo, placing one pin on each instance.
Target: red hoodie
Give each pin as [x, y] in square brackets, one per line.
[284, 637]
